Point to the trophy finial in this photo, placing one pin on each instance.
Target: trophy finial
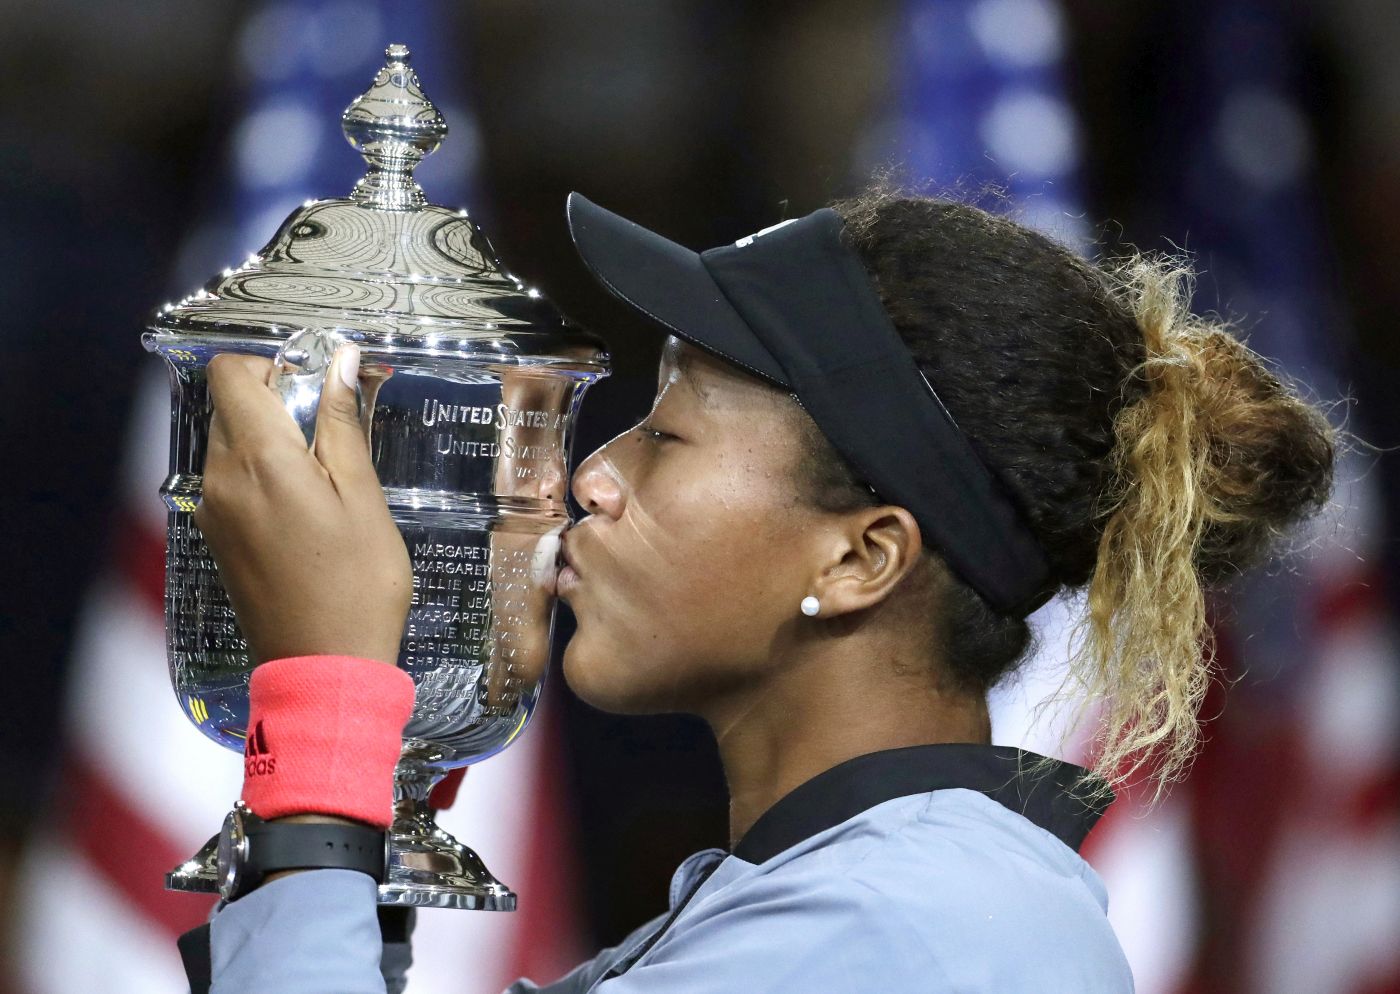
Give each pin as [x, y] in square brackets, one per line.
[393, 125]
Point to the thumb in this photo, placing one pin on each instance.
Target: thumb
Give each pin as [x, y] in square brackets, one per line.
[341, 445]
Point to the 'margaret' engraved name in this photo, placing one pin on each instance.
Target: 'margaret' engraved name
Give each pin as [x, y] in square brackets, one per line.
[438, 559]
[501, 416]
[445, 550]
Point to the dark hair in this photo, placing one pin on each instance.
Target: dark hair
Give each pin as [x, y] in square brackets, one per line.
[1153, 454]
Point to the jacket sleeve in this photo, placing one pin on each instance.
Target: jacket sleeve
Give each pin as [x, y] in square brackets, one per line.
[315, 932]
[318, 932]
[582, 977]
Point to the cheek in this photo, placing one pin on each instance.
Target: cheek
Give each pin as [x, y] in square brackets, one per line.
[692, 594]
[702, 542]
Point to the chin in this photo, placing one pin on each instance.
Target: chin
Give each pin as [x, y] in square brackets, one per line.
[598, 676]
[590, 672]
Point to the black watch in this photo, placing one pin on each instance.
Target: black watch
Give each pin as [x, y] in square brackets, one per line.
[250, 849]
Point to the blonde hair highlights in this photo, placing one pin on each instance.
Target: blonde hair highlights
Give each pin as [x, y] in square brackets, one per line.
[1189, 506]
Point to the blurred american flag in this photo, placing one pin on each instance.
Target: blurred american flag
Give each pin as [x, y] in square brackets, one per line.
[141, 788]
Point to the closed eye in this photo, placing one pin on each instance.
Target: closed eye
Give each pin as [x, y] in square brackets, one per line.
[655, 435]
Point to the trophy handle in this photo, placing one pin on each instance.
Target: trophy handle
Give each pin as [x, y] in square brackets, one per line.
[299, 373]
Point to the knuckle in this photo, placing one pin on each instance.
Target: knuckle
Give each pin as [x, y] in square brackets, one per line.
[255, 457]
[262, 462]
[218, 366]
[343, 411]
[227, 366]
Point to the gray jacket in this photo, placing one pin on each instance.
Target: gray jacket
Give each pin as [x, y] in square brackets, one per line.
[930, 869]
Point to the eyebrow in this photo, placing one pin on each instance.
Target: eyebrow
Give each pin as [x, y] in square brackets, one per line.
[685, 365]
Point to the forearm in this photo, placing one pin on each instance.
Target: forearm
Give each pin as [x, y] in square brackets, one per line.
[324, 731]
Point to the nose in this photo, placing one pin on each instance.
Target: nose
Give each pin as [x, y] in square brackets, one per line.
[596, 485]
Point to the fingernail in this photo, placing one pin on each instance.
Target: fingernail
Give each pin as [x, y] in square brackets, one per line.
[349, 364]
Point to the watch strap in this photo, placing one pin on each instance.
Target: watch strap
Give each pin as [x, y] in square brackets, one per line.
[274, 846]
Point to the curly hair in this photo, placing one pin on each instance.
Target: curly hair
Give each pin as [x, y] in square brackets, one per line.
[1154, 454]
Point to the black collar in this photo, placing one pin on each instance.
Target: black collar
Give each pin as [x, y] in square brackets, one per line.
[1000, 772]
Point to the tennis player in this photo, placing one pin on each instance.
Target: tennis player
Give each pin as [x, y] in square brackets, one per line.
[884, 433]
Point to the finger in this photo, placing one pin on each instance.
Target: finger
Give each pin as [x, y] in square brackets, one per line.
[216, 374]
[341, 445]
[247, 415]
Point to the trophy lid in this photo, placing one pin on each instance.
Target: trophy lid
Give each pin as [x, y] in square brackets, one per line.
[384, 267]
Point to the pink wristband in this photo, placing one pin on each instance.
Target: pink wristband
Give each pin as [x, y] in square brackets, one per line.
[324, 734]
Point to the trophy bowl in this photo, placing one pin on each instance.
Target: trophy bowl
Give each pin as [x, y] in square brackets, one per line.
[469, 388]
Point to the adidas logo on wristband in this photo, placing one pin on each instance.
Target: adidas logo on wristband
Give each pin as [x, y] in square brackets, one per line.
[257, 758]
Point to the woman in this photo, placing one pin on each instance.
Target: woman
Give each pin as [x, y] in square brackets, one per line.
[883, 434]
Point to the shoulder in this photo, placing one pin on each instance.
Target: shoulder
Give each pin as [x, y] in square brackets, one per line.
[975, 849]
[930, 893]
[763, 936]
[983, 897]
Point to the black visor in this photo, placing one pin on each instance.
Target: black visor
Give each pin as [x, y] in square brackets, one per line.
[794, 306]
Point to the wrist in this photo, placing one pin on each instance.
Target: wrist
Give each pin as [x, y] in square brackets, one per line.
[253, 851]
[324, 736]
[318, 819]
[310, 819]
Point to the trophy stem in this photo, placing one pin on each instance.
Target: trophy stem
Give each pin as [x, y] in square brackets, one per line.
[427, 866]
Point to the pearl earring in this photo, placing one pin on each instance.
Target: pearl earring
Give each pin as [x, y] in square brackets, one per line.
[810, 606]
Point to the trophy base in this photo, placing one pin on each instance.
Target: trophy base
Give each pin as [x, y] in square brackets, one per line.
[427, 868]
[199, 874]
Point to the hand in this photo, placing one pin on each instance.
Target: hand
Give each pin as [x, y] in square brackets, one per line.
[306, 548]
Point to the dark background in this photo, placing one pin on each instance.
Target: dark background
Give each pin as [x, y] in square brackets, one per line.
[702, 120]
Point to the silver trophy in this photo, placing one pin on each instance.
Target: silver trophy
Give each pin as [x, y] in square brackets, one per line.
[470, 387]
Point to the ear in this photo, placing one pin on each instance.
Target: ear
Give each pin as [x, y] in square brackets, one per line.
[874, 548]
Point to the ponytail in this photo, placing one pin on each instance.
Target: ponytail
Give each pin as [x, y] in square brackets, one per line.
[1211, 465]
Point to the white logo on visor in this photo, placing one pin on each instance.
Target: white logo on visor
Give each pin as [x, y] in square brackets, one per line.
[748, 239]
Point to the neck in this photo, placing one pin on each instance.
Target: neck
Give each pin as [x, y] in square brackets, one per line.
[831, 702]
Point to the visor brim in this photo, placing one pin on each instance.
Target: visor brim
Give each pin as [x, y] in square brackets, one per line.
[667, 283]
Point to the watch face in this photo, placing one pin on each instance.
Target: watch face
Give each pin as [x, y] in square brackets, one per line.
[232, 851]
